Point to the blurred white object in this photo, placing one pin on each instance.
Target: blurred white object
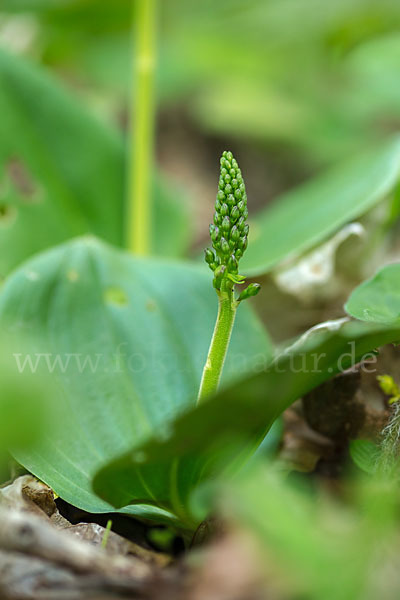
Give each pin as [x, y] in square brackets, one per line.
[304, 277]
[18, 33]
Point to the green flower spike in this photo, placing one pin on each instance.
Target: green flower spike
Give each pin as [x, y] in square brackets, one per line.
[229, 230]
[229, 234]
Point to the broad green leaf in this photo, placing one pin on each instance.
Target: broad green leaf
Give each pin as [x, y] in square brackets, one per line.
[364, 454]
[378, 299]
[127, 339]
[224, 432]
[62, 171]
[25, 399]
[323, 548]
[310, 213]
[75, 12]
[374, 66]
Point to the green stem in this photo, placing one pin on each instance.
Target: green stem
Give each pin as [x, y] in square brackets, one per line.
[138, 232]
[227, 306]
[106, 534]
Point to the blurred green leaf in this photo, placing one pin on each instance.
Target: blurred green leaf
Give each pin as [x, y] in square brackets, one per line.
[127, 339]
[310, 213]
[25, 399]
[243, 61]
[78, 13]
[325, 549]
[377, 300]
[172, 223]
[62, 172]
[374, 67]
[224, 432]
[364, 454]
[62, 169]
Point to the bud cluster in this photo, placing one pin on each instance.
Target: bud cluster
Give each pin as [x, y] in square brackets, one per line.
[229, 231]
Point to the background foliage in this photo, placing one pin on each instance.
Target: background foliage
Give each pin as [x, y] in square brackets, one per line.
[307, 95]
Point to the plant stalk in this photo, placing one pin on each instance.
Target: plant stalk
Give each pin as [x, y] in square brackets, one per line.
[138, 222]
[227, 306]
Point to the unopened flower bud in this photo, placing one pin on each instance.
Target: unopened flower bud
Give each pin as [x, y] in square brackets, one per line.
[209, 256]
[235, 233]
[224, 246]
[235, 213]
[226, 224]
[224, 210]
[242, 243]
[218, 276]
[214, 233]
[233, 266]
[251, 290]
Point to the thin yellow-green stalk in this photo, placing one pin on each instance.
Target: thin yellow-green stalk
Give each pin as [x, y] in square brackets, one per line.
[212, 372]
[139, 210]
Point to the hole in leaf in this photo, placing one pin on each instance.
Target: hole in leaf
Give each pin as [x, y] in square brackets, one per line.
[140, 456]
[8, 214]
[32, 275]
[151, 306]
[115, 295]
[72, 275]
[22, 179]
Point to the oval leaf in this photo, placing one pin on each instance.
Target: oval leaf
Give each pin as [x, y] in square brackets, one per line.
[62, 172]
[128, 339]
[25, 399]
[364, 454]
[310, 213]
[225, 431]
[377, 299]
